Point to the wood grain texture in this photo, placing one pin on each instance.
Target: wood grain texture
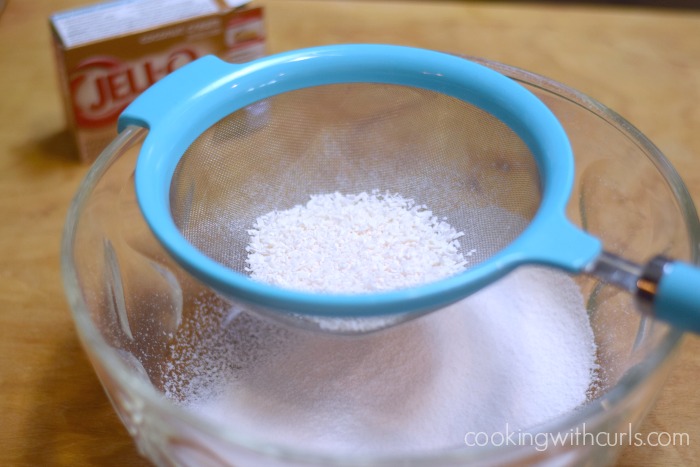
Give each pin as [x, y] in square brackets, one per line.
[644, 63]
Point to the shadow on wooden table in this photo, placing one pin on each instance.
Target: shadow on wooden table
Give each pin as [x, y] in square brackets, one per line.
[46, 156]
[59, 145]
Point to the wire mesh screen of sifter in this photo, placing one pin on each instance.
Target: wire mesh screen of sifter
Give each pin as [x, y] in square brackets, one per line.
[459, 161]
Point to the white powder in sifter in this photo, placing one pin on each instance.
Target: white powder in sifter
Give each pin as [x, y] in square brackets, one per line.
[353, 243]
[516, 354]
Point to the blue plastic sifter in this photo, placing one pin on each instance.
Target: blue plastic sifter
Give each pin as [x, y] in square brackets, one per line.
[228, 143]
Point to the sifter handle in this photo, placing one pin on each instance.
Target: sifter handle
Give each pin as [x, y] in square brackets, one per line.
[663, 289]
[177, 93]
[672, 289]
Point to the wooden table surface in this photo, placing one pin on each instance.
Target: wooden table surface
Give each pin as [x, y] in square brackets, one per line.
[644, 63]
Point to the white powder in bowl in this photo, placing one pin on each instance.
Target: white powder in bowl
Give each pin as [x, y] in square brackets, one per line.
[516, 354]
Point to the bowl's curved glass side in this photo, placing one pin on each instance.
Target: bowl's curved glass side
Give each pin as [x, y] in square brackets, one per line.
[142, 320]
[627, 194]
[83, 270]
[621, 198]
[88, 278]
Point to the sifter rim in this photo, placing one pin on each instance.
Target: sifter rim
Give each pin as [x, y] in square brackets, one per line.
[179, 108]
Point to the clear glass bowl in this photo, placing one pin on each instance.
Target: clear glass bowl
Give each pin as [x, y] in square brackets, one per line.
[129, 299]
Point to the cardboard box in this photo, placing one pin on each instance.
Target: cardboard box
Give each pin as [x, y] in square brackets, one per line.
[108, 53]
